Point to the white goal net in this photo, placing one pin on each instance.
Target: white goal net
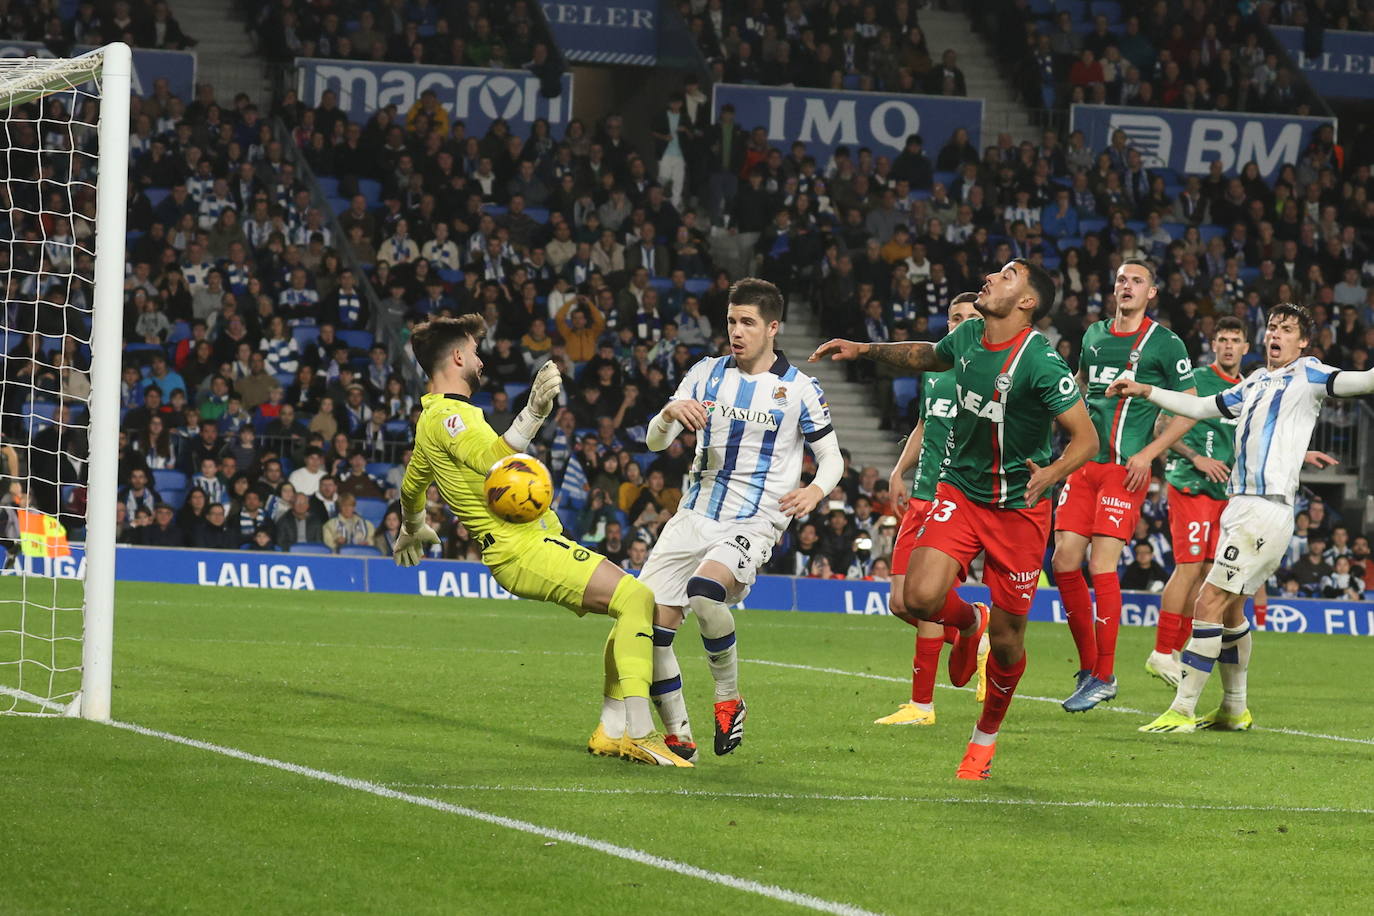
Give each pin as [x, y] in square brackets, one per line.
[63, 176]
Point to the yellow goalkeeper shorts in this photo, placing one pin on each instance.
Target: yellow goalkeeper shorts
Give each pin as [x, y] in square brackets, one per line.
[541, 566]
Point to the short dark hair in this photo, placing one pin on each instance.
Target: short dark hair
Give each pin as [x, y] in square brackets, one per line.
[759, 293]
[962, 298]
[1041, 284]
[434, 339]
[1298, 313]
[1141, 262]
[1231, 323]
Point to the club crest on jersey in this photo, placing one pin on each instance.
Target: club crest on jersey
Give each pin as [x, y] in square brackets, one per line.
[780, 395]
[1003, 382]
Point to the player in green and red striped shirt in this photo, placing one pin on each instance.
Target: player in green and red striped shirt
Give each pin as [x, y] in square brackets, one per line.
[1011, 387]
[925, 449]
[1101, 502]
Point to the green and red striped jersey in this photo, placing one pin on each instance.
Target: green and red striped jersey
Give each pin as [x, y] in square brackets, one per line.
[1215, 438]
[1008, 396]
[938, 409]
[1152, 354]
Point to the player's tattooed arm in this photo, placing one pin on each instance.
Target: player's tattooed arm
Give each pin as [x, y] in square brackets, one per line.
[1214, 470]
[914, 356]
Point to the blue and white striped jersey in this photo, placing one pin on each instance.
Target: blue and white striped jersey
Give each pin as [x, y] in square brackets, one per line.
[1275, 411]
[749, 455]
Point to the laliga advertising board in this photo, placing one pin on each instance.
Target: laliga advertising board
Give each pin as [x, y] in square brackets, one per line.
[824, 119]
[459, 579]
[1189, 141]
[474, 96]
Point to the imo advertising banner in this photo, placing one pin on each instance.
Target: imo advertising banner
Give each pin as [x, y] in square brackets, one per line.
[178, 67]
[458, 579]
[1345, 67]
[606, 31]
[1189, 141]
[825, 119]
[474, 96]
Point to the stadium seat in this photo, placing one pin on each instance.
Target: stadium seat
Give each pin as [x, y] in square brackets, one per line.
[539, 214]
[173, 496]
[1065, 242]
[1091, 224]
[853, 82]
[453, 277]
[374, 510]
[133, 235]
[662, 284]
[1175, 230]
[1051, 261]
[379, 468]
[1249, 274]
[359, 550]
[1210, 232]
[309, 547]
[330, 186]
[904, 391]
[481, 399]
[644, 459]
[357, 340]
[697, 286]
[371, 191]
[165, 479]
[1109, 8]
[284, 379]
[180, 331]
[1136, 225]
[946, 178]
[494, 210]
[305, 334]
[338, 205]
[156, 195]
[515, 390]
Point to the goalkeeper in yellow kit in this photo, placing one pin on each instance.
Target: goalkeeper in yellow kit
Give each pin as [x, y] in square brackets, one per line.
[454, 447]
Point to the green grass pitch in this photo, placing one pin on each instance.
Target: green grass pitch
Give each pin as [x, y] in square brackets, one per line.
[488, 705]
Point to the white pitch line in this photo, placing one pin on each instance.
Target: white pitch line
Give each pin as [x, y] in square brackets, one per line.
[920, 800]
[637, 856]
[1026, 696]
[27, 697]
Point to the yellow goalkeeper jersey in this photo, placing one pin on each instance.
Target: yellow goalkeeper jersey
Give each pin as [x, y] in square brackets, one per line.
[454, 448]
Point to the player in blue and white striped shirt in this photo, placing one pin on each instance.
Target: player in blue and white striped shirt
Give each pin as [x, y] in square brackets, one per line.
[1275, 410]
[754, 413]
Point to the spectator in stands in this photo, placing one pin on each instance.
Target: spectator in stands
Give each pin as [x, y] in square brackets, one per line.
[1143, 574]
[299, 526]
[213, 533]
[347, 528]
[357, 481]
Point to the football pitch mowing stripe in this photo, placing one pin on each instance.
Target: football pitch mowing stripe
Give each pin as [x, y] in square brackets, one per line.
[382, 754]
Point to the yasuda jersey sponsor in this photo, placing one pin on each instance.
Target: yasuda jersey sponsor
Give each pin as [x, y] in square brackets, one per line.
[749, 453]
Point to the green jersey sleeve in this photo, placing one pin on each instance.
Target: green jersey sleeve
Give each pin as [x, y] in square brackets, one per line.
[1054, 382]
[1175, 365]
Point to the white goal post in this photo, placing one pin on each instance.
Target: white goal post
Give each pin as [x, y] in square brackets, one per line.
[64, 122]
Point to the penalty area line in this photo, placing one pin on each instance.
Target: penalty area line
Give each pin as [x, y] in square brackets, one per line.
[639, 857]
[919, 800]
[1127, 710]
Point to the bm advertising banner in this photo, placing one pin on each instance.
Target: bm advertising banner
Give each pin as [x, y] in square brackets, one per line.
[178, 67]
[606, 31]
[824, 119]
[1190, 141]
[457, 579]
[475, 97]
[1345, 67]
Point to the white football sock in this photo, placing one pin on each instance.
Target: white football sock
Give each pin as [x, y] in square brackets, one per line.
[1199, 656]
[1235, 662]
[639, 721]
[613, 717]
[666, 690]
[982, 738]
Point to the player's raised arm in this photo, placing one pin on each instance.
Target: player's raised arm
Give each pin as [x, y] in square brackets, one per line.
[1176, 402]
[1349, 384]
[915, 356]
[548, 381]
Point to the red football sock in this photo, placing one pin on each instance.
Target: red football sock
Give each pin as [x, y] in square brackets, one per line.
[1107, 620]
[1078, 608]
[957, 612]
[1001, 687]
[1261, 612]
[924, 667]
[1185, 632]
[1167, 632]
[951, 635]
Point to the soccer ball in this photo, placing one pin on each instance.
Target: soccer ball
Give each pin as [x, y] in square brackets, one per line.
[519, 489]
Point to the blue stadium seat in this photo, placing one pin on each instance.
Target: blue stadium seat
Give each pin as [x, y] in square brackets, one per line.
[644, 459]
[309, 547]
[398, 428]
[538, 214]
[1042, 7]
[482, 399]
[337, 204]
[359, 550]
[568, 517]
[180, 331]
[305, 334]
[374, 510]
[1136, 225]
[358, 340]
[371, 191]
[494, 210]
[156, 195]
[169, 480]
[1065, 242]
[698, 286]
[1249, 274]
[662, 284]
[451, 276]
[1051, 261]
[173, 496]
[905, 390]
[330, 186]
[133, 235]
[284, 378]
[515, 390]
[1175, 230]
[946, 178]
[1109, 8]
[1091, 224]
[853, 82]
[379, 468]
[919, 195]
[1210, 232]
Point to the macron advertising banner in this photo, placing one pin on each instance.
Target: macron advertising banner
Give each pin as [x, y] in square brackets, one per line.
[1189, 141]
[1345, 68]
[458, 579]
[178, 67]
[824, 119]
[606, 31]
[474, 96]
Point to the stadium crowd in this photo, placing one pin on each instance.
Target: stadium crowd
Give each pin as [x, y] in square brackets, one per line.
[269, 400]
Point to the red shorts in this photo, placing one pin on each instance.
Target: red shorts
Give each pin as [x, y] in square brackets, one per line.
[1095, 501]
[1014, 540]
[915, 515]
[1194, 526]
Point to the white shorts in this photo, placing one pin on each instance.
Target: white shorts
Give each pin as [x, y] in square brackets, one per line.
[1254, 537]
[689, 538]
